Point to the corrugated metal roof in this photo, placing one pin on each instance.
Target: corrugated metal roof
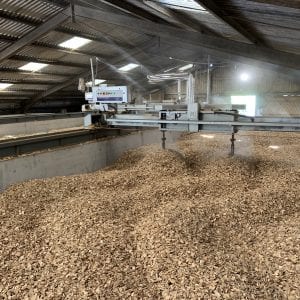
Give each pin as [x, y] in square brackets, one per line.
[277, 25]
[34, 8]
[9, 27]
[4, 44]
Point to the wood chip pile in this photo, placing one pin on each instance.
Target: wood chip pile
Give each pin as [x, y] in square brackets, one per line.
[187, 223]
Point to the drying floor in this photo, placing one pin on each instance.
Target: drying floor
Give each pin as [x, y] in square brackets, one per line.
[185, 223]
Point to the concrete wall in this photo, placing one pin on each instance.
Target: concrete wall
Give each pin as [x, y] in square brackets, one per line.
[76, 159]
[39, 126]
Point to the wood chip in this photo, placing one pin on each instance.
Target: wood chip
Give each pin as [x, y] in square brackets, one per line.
[186, 223]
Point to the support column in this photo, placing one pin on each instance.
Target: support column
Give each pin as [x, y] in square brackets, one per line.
[163, 140]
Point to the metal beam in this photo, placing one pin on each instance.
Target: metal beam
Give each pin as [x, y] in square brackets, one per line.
[182, 18]
[220, 47]
[30, 81]
[155, 12]
[121, 5]
[34, 34]
[219, 12]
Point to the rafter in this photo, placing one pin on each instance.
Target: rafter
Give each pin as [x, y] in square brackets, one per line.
[34, 34]
[182, 18]
[220, 47]
[121, 5]
[155, 12]
[219, 12]
[30, 81]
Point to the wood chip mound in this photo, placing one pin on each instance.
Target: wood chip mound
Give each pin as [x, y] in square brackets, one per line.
[186, 223]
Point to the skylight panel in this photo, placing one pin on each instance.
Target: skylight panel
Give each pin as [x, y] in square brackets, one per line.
[128, 67]
[4, 86]
[32, 66]
[186, 67]
[75, 43]
[182, 4]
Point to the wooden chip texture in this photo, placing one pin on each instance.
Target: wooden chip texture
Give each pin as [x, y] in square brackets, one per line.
[189, 222]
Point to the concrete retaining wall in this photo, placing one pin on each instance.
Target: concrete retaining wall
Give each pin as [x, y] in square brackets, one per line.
[82, 158]
[39, 126]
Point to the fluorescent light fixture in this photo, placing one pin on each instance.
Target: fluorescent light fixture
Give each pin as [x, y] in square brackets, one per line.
[97, 81]
[3, 86]
[128, 67]
[75, 43]
[186, 67]
[208, 136]
[274, 147]
[32, 66]
[244, 77]
[285, 95]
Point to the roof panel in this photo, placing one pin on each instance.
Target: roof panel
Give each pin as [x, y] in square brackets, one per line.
[33, 8]
[10, 27]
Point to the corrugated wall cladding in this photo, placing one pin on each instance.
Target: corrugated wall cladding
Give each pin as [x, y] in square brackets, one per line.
[276, 95]
[278, 106]
[226, 80]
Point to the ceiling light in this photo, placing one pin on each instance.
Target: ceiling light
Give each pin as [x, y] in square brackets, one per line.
[128, 67]
[285, 95]
[274, 147]
[3, 86]
[97, 81]
[244, 77]
[33, 67]
[211, 65]
[75, 43]
[186, 67]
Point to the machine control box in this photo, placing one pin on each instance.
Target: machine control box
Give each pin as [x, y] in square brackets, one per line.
[109, 94]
